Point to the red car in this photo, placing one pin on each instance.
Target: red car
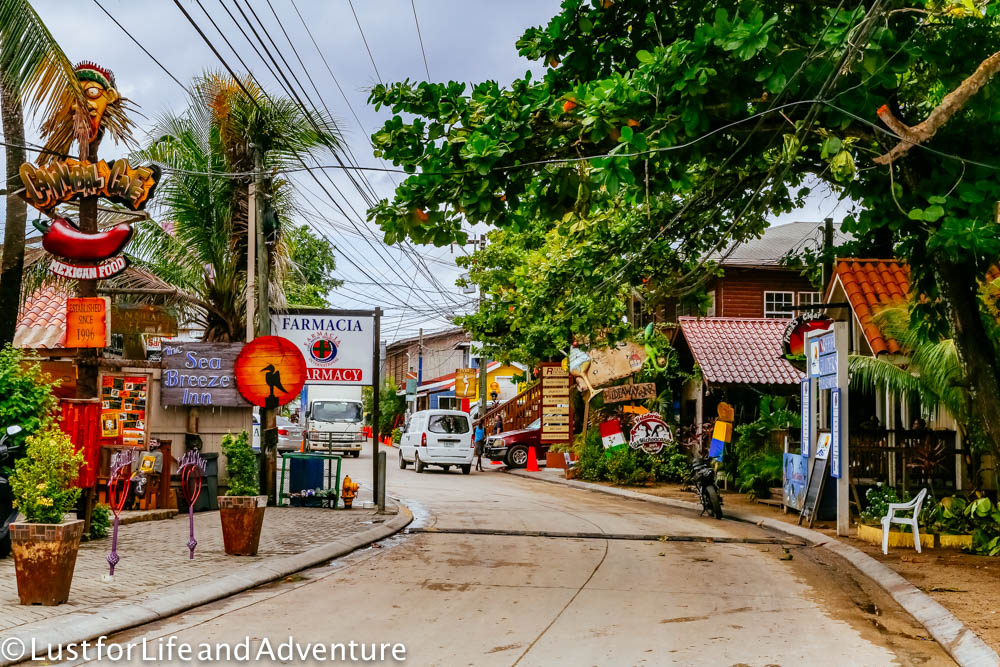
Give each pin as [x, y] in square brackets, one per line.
[511, 447]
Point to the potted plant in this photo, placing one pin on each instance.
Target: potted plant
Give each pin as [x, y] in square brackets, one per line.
[44, 545]
[242, 508]
[555, 457]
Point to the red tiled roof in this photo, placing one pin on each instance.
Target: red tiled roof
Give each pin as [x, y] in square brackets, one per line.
[735, 350]
[871, 285]
[42, 320]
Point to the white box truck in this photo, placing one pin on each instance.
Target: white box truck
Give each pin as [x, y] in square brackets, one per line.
[334, 417]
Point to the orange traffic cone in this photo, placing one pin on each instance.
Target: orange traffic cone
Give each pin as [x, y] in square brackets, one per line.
[532, 460]
[302, 449]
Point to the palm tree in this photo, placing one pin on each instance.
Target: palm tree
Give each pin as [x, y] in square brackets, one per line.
[933, 371]
[202, 245]
[33, 69]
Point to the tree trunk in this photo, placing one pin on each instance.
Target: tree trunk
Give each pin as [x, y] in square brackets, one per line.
[12, 266]
[957, 284]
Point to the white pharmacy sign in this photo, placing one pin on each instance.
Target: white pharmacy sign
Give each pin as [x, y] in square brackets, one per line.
[338, 345]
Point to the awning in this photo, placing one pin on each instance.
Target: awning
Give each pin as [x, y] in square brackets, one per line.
[735, 350]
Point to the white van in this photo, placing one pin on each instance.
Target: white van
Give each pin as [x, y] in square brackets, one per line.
[438, 438]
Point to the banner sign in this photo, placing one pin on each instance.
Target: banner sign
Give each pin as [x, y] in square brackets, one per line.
[465, 383]
[87, 322]
[200, 374]
[630, 392]
[795, 476]
[611, 434]
[806, 432]
[337, 345]
[835, 433]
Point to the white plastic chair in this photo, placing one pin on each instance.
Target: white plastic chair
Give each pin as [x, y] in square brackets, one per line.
[891, 518]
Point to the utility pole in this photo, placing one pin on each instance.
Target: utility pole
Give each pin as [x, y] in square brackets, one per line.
[377, 491]
[268, 416]
[483, 361]
[827, 253]
[251, 261]
[420, 357]
[86, 358]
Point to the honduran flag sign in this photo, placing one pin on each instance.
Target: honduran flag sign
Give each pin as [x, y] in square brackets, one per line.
[611, 434]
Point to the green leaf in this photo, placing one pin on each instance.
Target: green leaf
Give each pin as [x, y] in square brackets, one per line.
[645, 57]
[626, 135]
[915, 214]
[933, 213]
[586, 25]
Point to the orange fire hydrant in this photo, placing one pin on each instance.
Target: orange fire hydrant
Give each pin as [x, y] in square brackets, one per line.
[349, 491]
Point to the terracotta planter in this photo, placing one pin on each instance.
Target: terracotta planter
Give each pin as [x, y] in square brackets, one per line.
[555, 460]
[44, 559]
[242, 518]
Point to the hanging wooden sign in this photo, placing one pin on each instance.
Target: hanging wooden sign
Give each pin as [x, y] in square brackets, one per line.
[135, 318]
[630, 392]
[61, 181]
[87, 322]
[200, 374]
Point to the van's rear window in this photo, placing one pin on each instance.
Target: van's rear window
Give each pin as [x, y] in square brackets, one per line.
[448, 424]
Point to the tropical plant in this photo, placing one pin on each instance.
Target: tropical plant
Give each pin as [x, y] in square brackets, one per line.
[391, 406]
[758, 473]
[26, 397]
[311, 265]
[201, 247]
[662, 133]
[42, 483]
[878, 500]
[33, 71]
[100, 521]
[241, 465]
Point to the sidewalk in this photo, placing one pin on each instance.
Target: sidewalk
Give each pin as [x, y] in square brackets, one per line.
[155, 578]
[957, 639]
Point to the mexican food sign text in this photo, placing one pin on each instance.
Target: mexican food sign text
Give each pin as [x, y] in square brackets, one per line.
[338, 345]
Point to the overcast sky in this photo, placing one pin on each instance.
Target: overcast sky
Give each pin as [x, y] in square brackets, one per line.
[464, 40]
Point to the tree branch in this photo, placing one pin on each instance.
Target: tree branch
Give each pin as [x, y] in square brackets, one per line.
[950, 105]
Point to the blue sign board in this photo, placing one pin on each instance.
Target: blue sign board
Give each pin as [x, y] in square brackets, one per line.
[835, 418]
[795, 474]
[806, 433]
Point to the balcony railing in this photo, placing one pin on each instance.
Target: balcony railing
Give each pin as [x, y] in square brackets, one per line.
[519, 411]
[907, 457]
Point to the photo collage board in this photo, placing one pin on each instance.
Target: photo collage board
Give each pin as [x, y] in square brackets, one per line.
[123, 409]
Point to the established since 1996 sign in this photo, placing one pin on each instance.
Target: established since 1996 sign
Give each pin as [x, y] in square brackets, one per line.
[338, 346]
[87, 322]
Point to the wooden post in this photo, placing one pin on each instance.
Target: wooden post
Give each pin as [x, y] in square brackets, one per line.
[843, 483]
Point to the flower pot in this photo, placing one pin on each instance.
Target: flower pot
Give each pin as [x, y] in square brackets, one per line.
[44, 559]
[555, 460]
[242, 518]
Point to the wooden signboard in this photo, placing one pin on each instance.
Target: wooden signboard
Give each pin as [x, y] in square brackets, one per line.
[630, 392]
[609, 364]
[557, 414]
[465, 383]
[200, 374]
[87, 322]
[142, 319]
[814, 491]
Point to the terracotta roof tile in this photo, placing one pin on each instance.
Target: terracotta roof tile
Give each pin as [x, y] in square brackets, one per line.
[42, 320]
[871, 285]
[739, 350]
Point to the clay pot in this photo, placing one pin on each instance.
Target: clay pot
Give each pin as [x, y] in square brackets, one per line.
[242, 519]
[555, 460]
[44, 559]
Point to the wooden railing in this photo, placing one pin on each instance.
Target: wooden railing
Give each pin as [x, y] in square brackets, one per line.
[519, 411]
[910, 458]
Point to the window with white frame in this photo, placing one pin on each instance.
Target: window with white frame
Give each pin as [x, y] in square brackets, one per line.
[810, 298]
[779, 304]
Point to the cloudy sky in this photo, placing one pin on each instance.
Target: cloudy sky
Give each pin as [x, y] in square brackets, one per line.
[464, 40]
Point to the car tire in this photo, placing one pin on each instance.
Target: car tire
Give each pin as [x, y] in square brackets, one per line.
[402, 461]
[517, 457]
[418, 465]
[446, 468]
[467, 469]
[356, 455]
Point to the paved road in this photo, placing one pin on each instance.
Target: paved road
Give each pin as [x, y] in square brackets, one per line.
[459, 597]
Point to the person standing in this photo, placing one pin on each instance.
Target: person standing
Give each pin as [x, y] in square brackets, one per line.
[480, 441]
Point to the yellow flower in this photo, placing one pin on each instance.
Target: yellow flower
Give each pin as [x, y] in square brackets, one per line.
[45, 502]
[42, 486]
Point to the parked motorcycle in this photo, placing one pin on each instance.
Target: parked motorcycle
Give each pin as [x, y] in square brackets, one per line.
[8, 513]
[703, 476]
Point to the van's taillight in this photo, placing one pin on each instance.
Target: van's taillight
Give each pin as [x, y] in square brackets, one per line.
[423, 439]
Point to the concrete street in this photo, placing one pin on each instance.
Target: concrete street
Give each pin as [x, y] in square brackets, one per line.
[455, 598]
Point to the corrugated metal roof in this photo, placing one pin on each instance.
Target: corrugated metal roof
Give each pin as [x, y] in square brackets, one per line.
[778, 241]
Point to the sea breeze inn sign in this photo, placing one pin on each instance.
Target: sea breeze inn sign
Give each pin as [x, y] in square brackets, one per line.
[201, 374]
[338, 346]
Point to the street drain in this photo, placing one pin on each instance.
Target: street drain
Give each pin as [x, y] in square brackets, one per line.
[608, 536]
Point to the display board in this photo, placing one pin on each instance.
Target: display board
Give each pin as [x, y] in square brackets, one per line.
[814, 491]
[123, 409]
[794, 477]
[557, 423]
[200, 374]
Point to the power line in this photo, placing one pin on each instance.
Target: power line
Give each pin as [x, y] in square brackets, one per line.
[365, 40]
[421, 39]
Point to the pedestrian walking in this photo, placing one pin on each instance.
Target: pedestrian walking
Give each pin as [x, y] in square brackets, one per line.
[480, 441]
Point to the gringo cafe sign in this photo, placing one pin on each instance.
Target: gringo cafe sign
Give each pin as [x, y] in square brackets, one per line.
[200, 374]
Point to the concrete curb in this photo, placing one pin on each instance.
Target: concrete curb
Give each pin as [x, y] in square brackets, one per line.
[961, 643]
[86, 625]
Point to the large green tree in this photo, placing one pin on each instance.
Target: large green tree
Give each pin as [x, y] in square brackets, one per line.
[677, 127]
[311, 265]
[201, 245]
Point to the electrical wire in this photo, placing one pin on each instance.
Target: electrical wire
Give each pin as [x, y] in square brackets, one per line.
[420, 38]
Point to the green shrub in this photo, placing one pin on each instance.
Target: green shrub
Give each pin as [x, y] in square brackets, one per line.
[100, 521]
[241, 464]
[878, 499]
[26, 397]
[629, 467]
[758, 473]
[43, 478]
